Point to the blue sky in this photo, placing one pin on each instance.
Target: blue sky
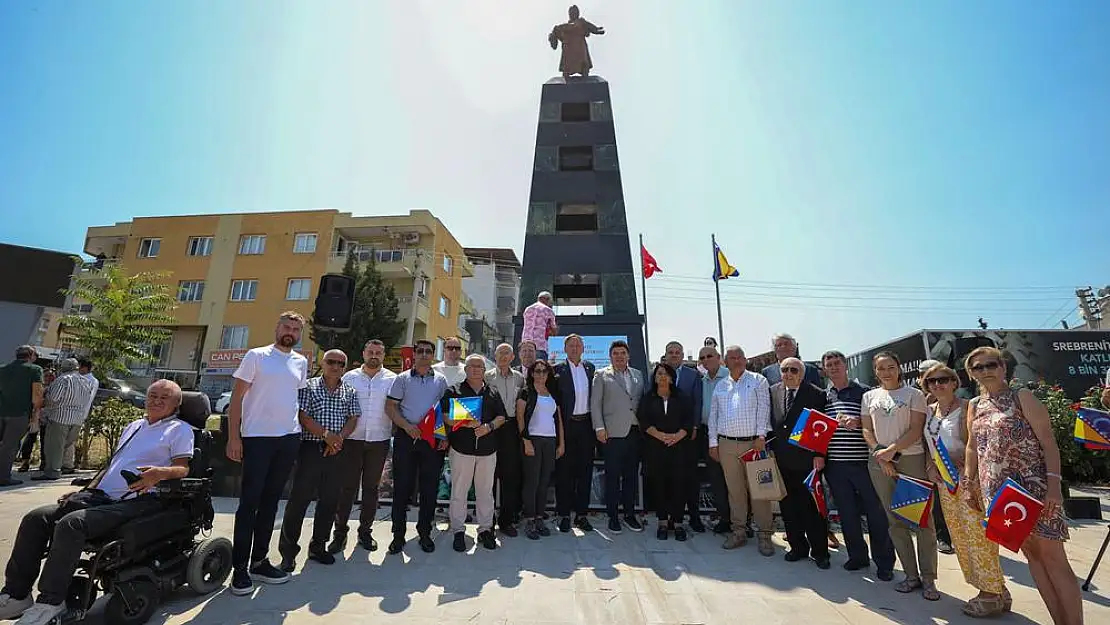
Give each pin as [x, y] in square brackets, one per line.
[925, 163]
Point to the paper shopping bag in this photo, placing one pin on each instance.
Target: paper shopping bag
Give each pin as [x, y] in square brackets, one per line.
[764, 480]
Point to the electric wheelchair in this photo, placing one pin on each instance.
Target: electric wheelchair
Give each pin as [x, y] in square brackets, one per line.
[146, 559]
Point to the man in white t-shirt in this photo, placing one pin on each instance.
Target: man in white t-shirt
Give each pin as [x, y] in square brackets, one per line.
[452, 366]
[366, 447]
[263, 433]
[157, 447]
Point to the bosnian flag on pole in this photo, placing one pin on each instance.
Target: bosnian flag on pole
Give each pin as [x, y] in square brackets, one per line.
[813, 431]
[1092, 428]
[813, 483]
[1012, 515]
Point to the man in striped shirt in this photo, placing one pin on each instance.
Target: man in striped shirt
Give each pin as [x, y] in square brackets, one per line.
[64, 410]
[846, 472]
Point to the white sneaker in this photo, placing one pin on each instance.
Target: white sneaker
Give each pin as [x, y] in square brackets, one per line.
[41, 614]
[11, 609]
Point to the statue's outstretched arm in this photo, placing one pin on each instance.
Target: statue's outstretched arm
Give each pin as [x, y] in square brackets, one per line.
[591, 29]
[553, 38]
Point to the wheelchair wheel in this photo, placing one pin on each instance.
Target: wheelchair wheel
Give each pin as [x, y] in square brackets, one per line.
[209, 565]
[132, 603]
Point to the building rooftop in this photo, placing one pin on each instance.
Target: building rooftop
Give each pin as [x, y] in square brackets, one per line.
[500, 255]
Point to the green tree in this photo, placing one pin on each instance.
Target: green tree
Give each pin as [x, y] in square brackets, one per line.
[375, 314]
[127, 317]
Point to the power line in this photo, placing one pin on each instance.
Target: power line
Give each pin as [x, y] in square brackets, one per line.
[899, 298]
[852, 287]
[801, 305]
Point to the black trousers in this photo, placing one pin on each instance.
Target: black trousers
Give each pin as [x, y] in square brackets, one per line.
[509, 475]
[938, 519]
[362, 463]
[415, 463]
[668, 468]
[538, 469]
[574, 472]
[622, 469]
[66, 538]
[316, 477]
[27, 447]
[699, 451]
[806, 530]
[267, 463]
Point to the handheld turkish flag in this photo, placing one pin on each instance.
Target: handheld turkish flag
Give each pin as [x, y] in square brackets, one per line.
[647, 263]
[813, 431]
[1012, 515]
[431, 426]
[817, 489]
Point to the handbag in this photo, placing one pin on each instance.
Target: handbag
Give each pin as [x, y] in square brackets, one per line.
[764, 479]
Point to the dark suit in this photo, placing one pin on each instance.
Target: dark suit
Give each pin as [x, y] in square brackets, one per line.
[666, 466]
[806, 530]
[689, 386]
[574, 471]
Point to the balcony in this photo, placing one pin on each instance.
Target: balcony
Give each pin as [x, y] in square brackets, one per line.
[405, 308]
[390, 263]
[463, 335]
[466, 305]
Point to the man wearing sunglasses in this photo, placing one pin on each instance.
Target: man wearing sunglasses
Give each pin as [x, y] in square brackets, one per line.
[710, 360]
[452, 366]
[329, 411]
[414, 393]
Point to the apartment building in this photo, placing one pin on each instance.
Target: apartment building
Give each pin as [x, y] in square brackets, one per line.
[235, 273]
[495, 291]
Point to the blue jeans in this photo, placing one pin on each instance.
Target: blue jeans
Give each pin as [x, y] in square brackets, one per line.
[855, 497]
[267, 463]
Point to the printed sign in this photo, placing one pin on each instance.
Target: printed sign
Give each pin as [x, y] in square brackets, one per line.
[596, 349]
[220, 360]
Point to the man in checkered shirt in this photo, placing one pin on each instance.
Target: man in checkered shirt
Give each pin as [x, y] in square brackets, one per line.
[329, 411]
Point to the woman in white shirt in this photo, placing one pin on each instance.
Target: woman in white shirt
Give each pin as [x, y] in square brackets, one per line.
[978, 556]
[893, 417]
[541, 428]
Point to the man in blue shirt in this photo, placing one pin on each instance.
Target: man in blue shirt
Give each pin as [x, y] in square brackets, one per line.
[710, 359]
[786, 347]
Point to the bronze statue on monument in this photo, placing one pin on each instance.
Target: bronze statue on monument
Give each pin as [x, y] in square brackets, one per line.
[576, 54]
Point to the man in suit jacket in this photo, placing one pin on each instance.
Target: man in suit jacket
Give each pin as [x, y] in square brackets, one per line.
[806, 530]
[616, 396]
[689, 386]
[575, 470]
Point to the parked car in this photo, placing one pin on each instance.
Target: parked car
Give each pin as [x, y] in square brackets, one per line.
[126, 391]
[223, 402]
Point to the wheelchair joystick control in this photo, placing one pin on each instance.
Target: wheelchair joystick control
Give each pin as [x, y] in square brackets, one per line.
[130, 476]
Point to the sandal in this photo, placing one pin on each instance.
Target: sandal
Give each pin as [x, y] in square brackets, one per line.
[929, 592]
[907, 585]
[1007, 601]
[982, 607]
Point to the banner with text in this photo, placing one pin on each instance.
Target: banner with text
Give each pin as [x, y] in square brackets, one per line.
[596, 348]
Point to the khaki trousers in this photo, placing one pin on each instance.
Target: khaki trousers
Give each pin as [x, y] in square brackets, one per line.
[467, 470]
[919, 562]
[736, 480]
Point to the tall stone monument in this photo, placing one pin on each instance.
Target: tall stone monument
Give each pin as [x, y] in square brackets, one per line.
[576, 243]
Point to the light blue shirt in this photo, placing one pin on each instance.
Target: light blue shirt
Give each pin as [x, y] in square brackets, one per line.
[708, 385]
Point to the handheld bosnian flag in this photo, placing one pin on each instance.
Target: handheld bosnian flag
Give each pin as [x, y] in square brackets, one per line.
[1092, 428]
[813, 483]
[462, 410]
[431, 426]
[813, 431]
[945, 466]
[1012, 515]
[912, 500]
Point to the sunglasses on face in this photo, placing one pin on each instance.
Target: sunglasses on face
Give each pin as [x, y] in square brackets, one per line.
[422, 350]
[936, 381]
[985, 366]
[791, 370]
[336, 363]
[453, 348]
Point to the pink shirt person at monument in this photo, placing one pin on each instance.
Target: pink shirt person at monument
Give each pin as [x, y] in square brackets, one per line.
[539, 323]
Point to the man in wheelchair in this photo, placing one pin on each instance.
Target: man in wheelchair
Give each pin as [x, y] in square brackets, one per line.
[153, 453]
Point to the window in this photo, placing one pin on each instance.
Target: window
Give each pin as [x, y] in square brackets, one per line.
[439, 348]
[299, 289]
[243, 290]
[423, 291]
[148, 248]
[190, 290]
[234, 337]
[304, 243]
[200, 246]
[576, 218]
[576, 158]
[389, 256]
[83, 309]
[444, 306]
[447, 262]
[575, 112]
[252, 244]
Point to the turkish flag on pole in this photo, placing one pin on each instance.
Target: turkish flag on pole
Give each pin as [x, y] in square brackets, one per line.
[648, 264]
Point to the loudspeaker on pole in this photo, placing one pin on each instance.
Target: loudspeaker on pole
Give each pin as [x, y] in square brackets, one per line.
[335, 303]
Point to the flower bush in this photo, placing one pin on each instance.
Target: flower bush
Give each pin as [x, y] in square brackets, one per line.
[1079, 465]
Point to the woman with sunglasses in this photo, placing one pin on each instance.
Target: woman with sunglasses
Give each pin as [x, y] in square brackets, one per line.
[1011, 437]
[666, 417]
[541, 428]
[978, 557]
[893, 417]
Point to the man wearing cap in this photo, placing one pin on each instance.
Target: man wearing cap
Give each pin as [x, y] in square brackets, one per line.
[64, 411]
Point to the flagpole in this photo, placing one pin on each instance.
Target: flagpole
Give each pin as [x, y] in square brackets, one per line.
[643, 289]
[717, 288]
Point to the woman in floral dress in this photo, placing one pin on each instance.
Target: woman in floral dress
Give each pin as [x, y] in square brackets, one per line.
[1011, 437]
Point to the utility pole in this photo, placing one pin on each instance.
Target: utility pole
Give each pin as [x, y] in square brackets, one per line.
[1088, 308]
[417, 278]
